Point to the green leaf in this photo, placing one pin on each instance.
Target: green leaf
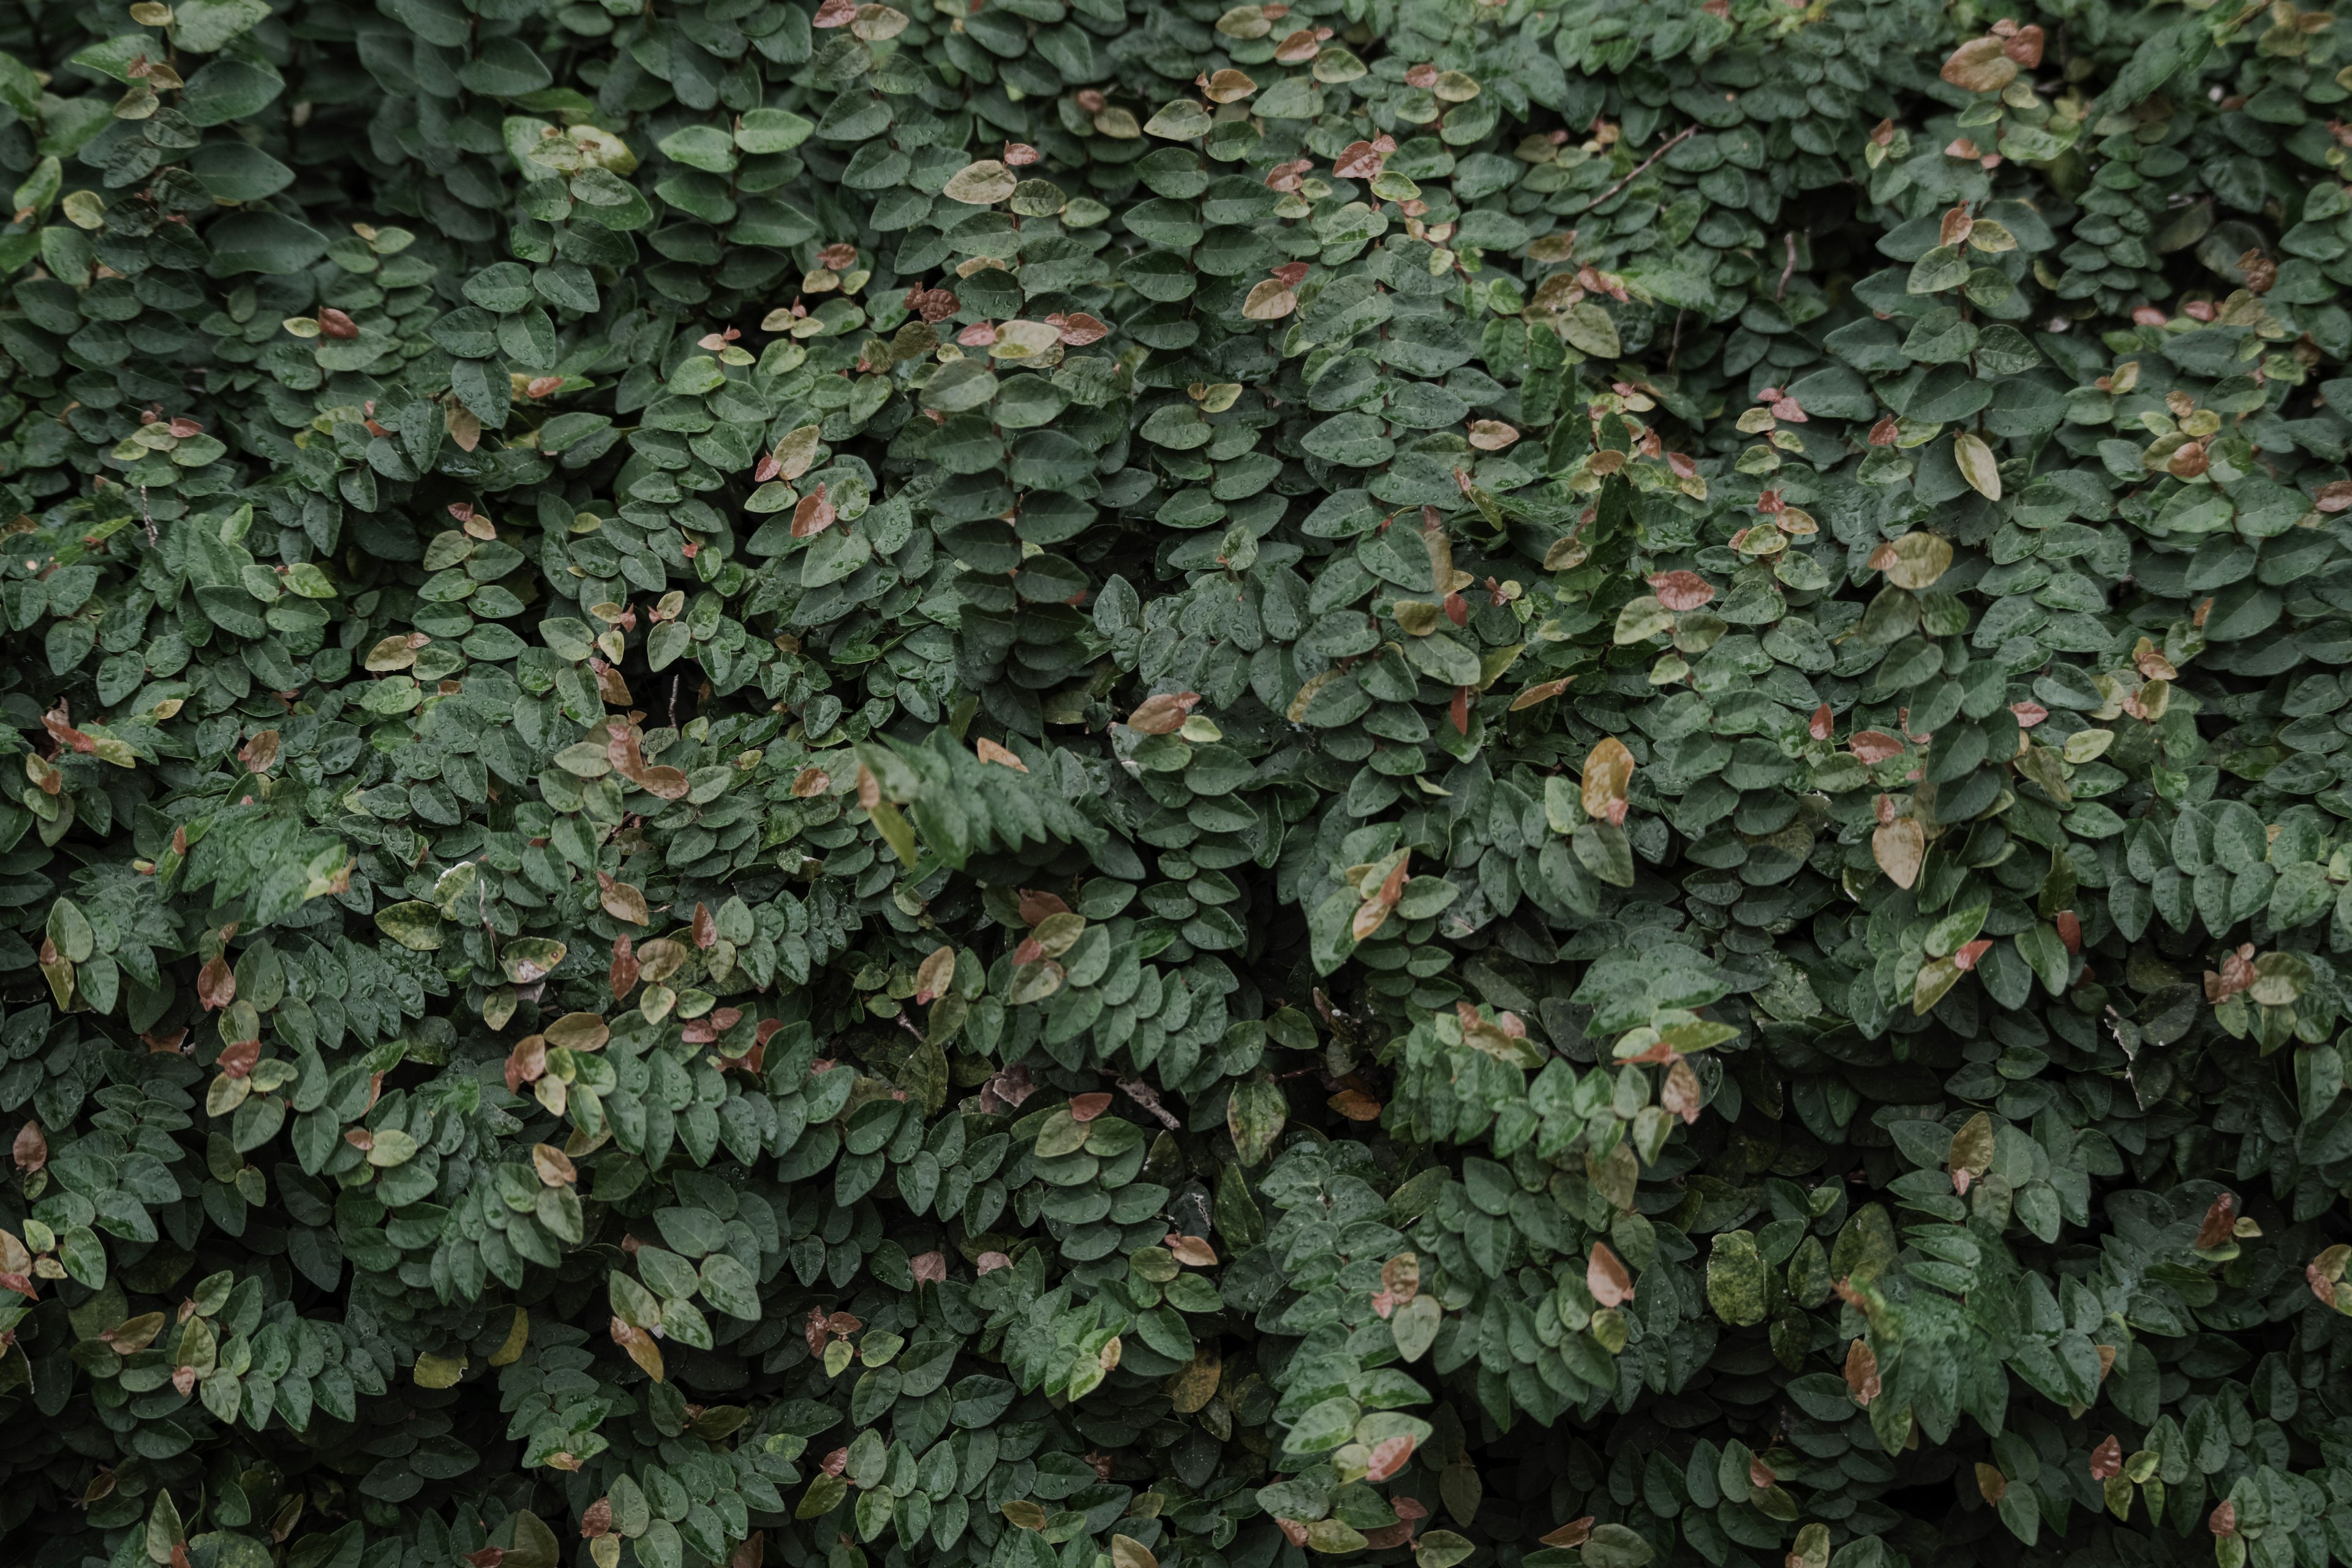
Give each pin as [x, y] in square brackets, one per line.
[202, 26]
[1255, 1115]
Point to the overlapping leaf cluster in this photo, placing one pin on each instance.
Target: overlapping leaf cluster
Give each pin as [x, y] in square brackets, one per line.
[1071, 785]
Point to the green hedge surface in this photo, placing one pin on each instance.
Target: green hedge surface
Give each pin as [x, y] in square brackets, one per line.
[1070, 783]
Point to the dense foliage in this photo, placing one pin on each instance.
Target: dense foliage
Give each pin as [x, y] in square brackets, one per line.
[1073, 785]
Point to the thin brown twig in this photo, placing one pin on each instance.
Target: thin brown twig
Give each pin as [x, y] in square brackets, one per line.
[1685, 133]
[1788, 272]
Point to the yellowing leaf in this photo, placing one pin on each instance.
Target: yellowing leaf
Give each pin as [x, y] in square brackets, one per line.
[1192, 1388]
[1180, 120]
[518, 1338]
[1269, 301]
[1608, 771]
[1419, 617]
[934, 975]
[1916, 559]
[876, 23]
[1979, 66]
[980, 184]
[1898, 847]
[1971, 1153]
[1977, 466]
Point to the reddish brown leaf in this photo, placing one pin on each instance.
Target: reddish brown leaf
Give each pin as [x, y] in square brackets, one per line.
[65, 735]
[1036, 906]
[2235, 976]
[1971, 953]
[1389, 1456]
[2070, 929]
[1575, 1532]
[623, 975]
[1357, 161]
[1605, 1277]
[1355, 1105]
[1823, 724]
[931, 1267]
[705, 928]
[711, 1025]
[1874, 746]
[527, 1063]
[1087, 1107]
[2223, 1520]
[1681, 1093]
[333, 324]
[1682, 590]
[1163, 714]
[2220, 1219]
[32, 1148]
[1012, 1085]
[1862, 1373]
[933, 305]
[1192, 1250]
[239, 1056]
[814, 515]
[2107, 1458]
[216, 985]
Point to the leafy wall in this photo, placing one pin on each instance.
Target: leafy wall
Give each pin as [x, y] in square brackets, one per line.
[1057, 784]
